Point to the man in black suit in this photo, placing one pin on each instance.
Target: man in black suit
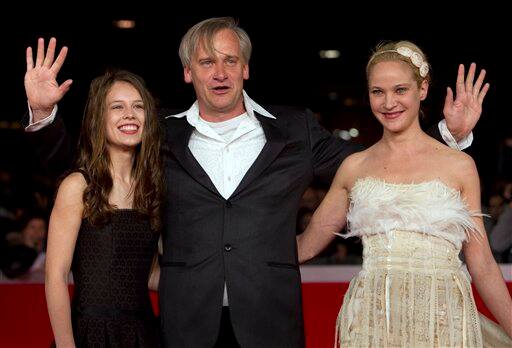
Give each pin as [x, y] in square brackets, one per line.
[235, 173]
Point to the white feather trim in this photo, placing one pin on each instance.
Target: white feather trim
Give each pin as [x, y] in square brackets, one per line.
[430, 207]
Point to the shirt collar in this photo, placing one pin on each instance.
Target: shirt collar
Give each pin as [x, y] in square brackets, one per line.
[251, 106]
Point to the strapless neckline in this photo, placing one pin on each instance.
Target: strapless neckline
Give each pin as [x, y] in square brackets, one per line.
[431, 206]
[437, 182]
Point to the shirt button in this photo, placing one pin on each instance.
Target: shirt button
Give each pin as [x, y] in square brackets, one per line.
[229, 204]
[228, 247]
[229, 178]
[227, 149]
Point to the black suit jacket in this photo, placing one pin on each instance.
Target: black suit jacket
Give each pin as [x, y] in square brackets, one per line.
[247, 241]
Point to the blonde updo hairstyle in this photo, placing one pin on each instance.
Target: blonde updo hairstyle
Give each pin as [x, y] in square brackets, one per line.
[387, 52]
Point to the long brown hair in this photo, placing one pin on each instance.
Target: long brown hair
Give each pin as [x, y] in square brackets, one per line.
[94, 160]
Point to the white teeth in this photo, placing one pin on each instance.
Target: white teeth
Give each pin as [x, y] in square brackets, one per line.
[128, 127]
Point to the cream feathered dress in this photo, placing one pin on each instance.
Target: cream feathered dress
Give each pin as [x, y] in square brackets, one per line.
[412, 290]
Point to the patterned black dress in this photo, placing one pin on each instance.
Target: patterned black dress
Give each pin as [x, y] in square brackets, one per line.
[111, 265]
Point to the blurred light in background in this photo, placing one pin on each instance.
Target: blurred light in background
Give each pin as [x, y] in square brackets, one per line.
[333, 96]
[346, 134]
[124, 24]
[354, 132]
[329, 54]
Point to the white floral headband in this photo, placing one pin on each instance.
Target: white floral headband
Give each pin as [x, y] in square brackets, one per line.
[415, 58]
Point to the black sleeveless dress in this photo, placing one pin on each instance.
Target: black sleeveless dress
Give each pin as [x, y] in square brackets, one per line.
[111, 265]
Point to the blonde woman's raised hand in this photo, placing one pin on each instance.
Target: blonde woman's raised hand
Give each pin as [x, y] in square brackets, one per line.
[463, 112]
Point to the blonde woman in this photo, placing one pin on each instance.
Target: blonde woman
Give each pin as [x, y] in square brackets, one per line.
[415, 203]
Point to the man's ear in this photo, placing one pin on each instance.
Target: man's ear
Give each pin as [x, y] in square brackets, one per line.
[245, 71]
[187, 74]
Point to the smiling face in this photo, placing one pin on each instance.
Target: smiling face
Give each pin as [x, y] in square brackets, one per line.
[124, 116]
[218, 77]
[394, 95]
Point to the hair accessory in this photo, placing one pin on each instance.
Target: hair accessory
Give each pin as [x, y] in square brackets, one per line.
[415, 58]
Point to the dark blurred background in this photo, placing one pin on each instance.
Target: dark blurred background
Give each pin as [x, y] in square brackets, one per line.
[286, 67]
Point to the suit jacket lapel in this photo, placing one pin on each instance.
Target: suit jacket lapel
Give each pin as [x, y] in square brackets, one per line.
[276, 140]
[178, 136]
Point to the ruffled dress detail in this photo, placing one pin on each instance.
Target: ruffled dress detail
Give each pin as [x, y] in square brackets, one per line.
[412, 290]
